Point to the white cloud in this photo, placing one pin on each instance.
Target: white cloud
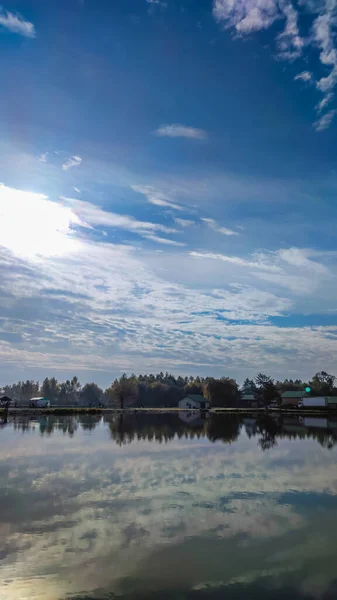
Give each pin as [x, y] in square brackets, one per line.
[224, 230]
[324, 102]
[49, 156]
[235, 260]
[160, 240]
[16, 24]
[299, 257]
[176, 130]
[157, 2]
[325, 120]
[184, 222]
[292, 268]
[289, 42]
[26, 238]
[73, 161]
[84, 305]
[324, 38]
[304, 76]
[255, 15]
[246, 17]
[156, 197]
[91, 214]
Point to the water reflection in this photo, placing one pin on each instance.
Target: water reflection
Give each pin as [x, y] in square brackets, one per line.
[148, 506]
[126, 428]
[256, 591]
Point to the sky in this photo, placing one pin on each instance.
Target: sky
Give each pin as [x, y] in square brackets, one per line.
[167, 188]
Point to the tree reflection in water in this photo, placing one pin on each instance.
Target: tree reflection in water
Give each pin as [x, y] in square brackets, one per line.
[125, 428]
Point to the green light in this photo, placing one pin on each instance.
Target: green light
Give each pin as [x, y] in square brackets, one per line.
[308, 389]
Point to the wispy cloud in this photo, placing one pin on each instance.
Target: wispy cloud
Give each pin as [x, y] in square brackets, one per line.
[224, 230]
[16, 24]
[236, 260]
[289, 41]
[256, 15]
[156, 197]
[325, 120]
[49, 156]
[157, 2]
[323, 30]
[304, 76]
[161, 240]
[184, 222]
[131, 308]
[73, 161]
[324, 102]
[246, 17]
[176, 131]
[291, 268]
[91, 214]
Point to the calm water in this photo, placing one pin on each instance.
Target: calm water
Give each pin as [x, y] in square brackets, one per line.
[168, 507]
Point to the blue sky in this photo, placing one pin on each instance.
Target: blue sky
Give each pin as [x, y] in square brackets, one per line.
[168, 176]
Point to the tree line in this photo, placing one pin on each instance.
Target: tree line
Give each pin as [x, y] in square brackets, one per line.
[165, 390]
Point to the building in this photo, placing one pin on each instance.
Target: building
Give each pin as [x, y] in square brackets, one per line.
[248, 397]
[39, 402]
[331, 402]
[248, 400]
[194, 402]
[5, 400]
[292, 398]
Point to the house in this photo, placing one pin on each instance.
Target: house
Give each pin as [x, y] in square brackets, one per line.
[5, 400]
[248, 398]
[39, 402]
[194, 402]
[292, 398]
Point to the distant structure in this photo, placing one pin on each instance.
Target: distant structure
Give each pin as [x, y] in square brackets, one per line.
[39, 402]
[292, 398]
[249, 400]
[5, 400]
[194, 402]
[332, 402]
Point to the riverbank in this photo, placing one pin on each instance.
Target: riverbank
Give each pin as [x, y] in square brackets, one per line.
[84, 410]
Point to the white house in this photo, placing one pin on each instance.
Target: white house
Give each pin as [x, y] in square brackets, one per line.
[194, 402]
[39, 402]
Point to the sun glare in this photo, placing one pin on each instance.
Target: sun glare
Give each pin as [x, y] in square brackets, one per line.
[31, 225]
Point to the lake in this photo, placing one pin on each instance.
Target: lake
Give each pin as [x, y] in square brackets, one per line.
[168, 507]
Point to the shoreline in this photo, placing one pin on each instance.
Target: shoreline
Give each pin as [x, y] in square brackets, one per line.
[213, 411]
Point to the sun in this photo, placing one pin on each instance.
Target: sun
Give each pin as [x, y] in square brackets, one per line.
[33, 226]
